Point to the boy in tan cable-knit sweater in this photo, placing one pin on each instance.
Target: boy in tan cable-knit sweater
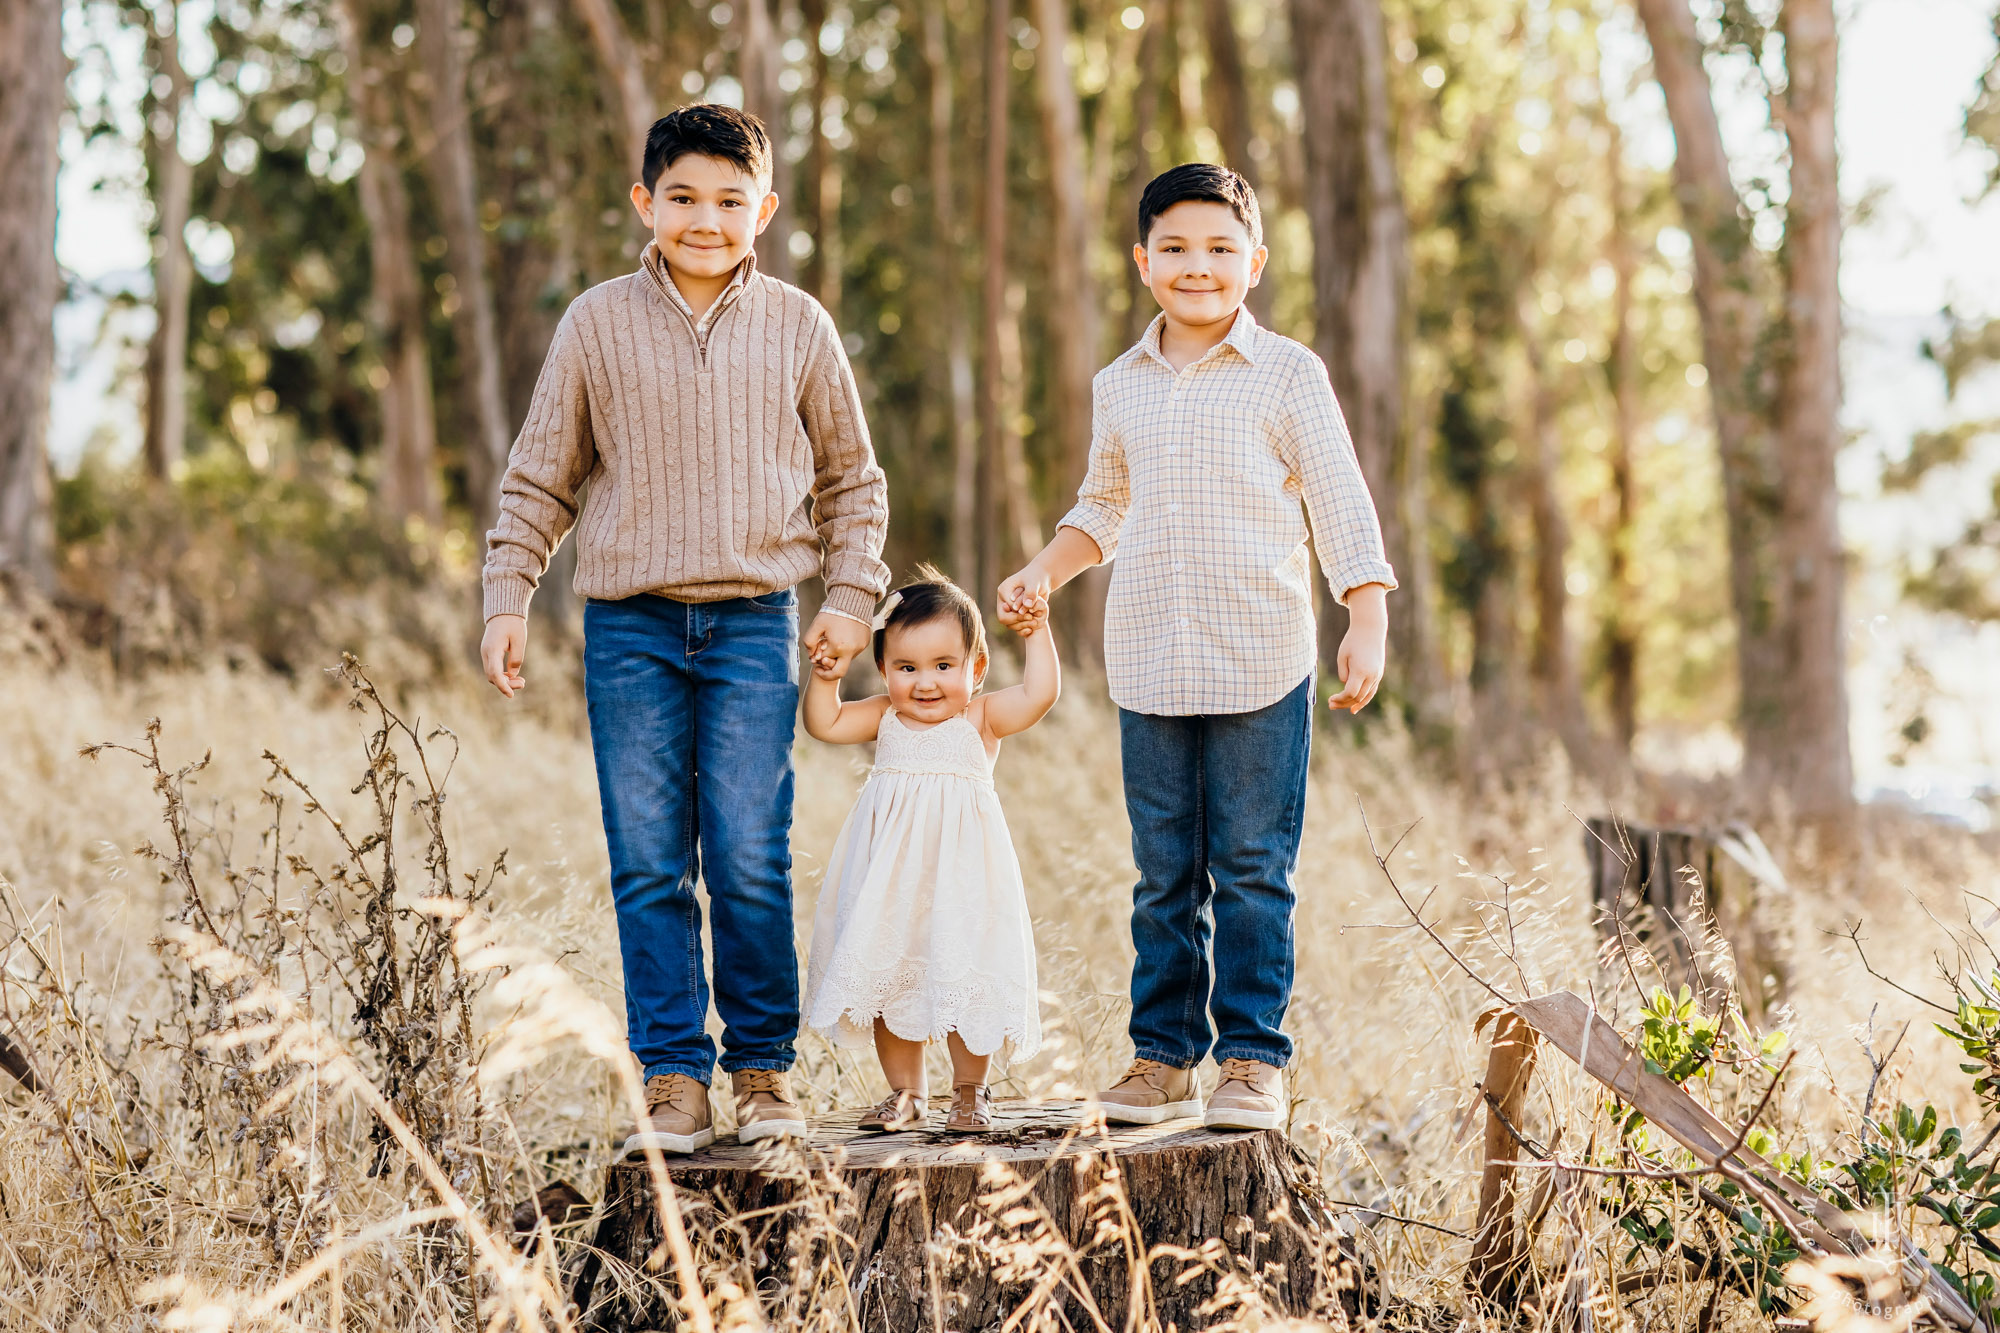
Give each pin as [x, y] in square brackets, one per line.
[712, 411]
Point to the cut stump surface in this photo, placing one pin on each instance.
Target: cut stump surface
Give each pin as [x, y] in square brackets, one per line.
[940, 1231]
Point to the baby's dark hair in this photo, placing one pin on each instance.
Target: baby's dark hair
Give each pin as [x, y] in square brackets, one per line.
[931, 596]
[707, 129]
[1204, 181]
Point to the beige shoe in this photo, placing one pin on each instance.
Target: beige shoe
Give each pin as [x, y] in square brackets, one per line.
[678, 1118]
[764, 1105]
[1248, 1095]
[1149, 1093]
[971, 1109]
[900, 1110]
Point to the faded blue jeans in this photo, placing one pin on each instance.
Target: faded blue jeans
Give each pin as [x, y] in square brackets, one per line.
[1216, 802]
[692, 706]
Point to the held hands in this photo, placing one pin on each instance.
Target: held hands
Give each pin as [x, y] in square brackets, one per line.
[833, 642]
[1024, 600]
[502, 649]
[1363, 649]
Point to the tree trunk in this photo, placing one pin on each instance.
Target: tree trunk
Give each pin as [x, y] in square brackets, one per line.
[1621, 638]
[1550, 663]
[1073, 312]
[622, 65]
[1156, 38]
[1777, 433]
[1228, 99]
[763, 98]
[32, 70]
[932, 1237]
[173, 270]
[1360, 289]
[822, 175]
[408, 484]
[453, 180]
[993, 299]
[957, 396]
[1815, 767]
[1729, 290]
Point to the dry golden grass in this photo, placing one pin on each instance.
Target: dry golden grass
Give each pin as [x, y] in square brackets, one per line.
[99, 978]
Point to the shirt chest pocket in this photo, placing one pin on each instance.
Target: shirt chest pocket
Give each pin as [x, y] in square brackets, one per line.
[1229, 452]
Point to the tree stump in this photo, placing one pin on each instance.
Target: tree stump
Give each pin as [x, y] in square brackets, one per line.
[1681, 893]
[925, 1230]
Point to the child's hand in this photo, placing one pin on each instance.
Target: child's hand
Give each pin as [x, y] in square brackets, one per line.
[1030, 615]
[1020, 594]
[1363, 649]
[502, 649]
[825, 663]
[835, 641]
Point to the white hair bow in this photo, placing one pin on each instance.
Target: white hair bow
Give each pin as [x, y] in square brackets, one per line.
[894, 600]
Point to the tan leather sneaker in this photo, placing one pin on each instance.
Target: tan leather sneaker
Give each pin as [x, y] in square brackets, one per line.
[1149, 1093]
[1249, 1095]
[764, 1105]
[678, 1117]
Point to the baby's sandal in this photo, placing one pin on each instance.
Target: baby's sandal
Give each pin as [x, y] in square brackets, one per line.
[971, 1109]
[902, 1109]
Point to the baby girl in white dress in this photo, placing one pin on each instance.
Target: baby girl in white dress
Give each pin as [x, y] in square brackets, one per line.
[922, 929]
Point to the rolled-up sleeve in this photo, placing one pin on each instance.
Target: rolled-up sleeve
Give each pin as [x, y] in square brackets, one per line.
[1346, 530]
[1106, 494]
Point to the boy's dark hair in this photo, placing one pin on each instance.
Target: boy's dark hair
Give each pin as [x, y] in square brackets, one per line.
[1206, 181]
[931, 596]
[710, 130]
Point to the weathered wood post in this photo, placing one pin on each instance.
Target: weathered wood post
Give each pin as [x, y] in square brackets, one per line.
[1678, 893]
[925, 1230]
[1497, 1246]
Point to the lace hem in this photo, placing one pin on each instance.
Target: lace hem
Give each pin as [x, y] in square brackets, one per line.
[986, 1012]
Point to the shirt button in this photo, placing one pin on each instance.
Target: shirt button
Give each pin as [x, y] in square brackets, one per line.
[1183, 622]
[1173, 508]
[1178, 566]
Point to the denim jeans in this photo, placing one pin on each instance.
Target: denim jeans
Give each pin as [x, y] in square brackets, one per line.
[1216, 803]
[692, 707]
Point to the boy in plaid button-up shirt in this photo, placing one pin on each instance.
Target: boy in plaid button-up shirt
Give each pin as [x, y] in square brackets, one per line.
[1208, 438]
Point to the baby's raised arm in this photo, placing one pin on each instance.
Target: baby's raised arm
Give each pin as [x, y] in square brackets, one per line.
[829, 719]
[1019, 707]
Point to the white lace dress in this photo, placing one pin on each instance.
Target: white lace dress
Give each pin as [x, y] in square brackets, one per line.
[922, 919]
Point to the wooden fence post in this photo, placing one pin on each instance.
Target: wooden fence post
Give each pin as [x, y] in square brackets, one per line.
[1497, 1247]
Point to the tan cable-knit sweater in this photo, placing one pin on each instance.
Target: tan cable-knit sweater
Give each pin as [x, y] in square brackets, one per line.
[719, 459]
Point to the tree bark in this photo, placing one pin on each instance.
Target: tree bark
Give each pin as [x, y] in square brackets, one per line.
[929, 1238]
[1621, 640]
[173, 271]
[1550, 662]
[454, 182]
[957, 391]
[823, 182]
[408, 484]
[1156, 38]
[1073, 316]
[1816, 766]
[32, 70]
[763, 98]
[1360, 289]
[1787, 617]
[993, 299]
[620, 59]
[1228, 100]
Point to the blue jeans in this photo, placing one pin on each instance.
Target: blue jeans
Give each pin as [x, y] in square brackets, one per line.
[1216, 803]
[691, 713]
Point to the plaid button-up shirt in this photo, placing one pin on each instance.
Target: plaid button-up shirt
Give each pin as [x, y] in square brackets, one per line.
[1195, 485]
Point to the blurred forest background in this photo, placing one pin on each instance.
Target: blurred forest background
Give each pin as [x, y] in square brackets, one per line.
[1597, 393]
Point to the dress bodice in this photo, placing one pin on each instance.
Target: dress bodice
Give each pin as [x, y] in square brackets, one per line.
[952, 747]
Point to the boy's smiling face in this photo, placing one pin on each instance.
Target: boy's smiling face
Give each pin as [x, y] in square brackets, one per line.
[1199, 263]
[705, 214]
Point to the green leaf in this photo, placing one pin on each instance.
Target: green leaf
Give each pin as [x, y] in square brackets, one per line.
[1773, 1043]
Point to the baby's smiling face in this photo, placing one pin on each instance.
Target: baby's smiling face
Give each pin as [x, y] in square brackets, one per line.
[927, 671]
